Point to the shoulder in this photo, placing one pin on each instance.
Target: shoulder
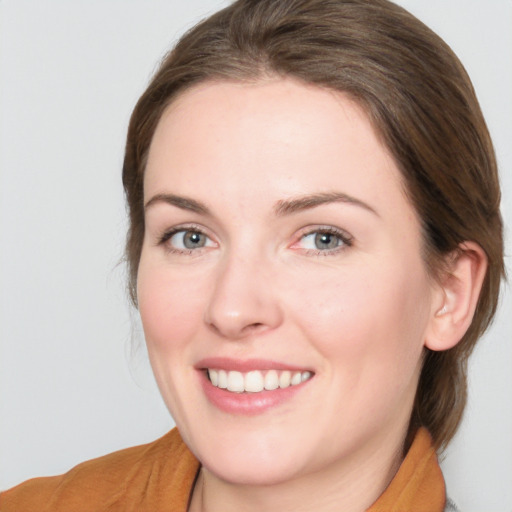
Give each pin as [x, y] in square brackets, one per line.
[138, 475]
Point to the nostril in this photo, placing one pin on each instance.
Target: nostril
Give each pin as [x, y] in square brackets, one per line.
[254, 327]
[214, 328]
[233, 314]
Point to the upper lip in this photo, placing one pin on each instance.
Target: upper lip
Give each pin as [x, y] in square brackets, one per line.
[246, 365]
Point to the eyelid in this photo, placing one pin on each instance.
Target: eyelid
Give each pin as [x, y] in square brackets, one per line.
[169, 233]
[346, 238]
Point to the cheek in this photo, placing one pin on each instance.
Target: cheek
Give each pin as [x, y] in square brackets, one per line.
[369, 321]
[170, 307]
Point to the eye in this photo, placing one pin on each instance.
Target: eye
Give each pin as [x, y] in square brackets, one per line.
[183, 240]
[324, 240]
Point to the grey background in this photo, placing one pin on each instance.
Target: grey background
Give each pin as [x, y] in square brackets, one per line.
[74, 377]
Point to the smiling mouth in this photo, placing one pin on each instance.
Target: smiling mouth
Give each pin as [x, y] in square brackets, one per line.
[256, 381]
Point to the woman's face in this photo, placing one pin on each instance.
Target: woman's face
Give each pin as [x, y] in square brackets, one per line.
[280, 252]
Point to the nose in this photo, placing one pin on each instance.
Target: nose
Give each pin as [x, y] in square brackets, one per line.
[243, 301]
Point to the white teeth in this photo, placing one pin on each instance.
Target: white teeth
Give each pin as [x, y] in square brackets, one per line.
[296, 379]
[235, 382]
[305, 376]
[223, 379]
[271, 380]
[214, 376]
[284, 379]
[256, 380]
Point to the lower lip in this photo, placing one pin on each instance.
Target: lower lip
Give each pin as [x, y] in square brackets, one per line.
[248, 404]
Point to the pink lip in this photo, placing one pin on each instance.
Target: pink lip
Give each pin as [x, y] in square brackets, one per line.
[248, 404]
[226, 363]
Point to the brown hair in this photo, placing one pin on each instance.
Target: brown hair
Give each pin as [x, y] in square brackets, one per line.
[422, 104]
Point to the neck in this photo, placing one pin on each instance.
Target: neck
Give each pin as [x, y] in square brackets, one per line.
[351, 485]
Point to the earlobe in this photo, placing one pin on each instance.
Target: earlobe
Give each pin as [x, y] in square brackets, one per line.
[457, 297]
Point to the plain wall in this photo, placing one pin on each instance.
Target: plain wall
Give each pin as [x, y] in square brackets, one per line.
[74, 377]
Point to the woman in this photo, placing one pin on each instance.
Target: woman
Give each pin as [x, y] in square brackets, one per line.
[315, 247]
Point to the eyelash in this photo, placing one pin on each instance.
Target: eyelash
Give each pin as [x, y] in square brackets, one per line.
[346, 240]
[167, 235]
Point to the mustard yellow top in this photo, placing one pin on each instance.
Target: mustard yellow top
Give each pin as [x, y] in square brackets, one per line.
[160, 476]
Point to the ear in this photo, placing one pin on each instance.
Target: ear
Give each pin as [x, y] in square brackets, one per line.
[456, 297]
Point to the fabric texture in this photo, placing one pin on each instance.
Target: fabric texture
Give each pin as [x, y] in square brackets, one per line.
[156, 477]
[419, 484]
[159, 477]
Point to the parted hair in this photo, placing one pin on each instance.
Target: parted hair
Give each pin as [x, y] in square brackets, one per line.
[422, 105]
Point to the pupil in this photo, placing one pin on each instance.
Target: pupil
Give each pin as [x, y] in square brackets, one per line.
[193, 239]
[326, 241]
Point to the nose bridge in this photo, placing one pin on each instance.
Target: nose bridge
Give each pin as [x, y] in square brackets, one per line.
[243, 300]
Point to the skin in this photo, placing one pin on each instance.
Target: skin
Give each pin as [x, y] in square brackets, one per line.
[357, 315]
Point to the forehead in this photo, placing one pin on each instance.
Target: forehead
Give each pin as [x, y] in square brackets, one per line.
[277, 137]
[281, 109]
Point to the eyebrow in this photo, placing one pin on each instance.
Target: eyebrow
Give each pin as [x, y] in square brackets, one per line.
[185, 203]
[313, 200]
[281, 208]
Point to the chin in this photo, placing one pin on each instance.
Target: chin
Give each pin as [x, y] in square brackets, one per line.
[251, 458]
[253, 472]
